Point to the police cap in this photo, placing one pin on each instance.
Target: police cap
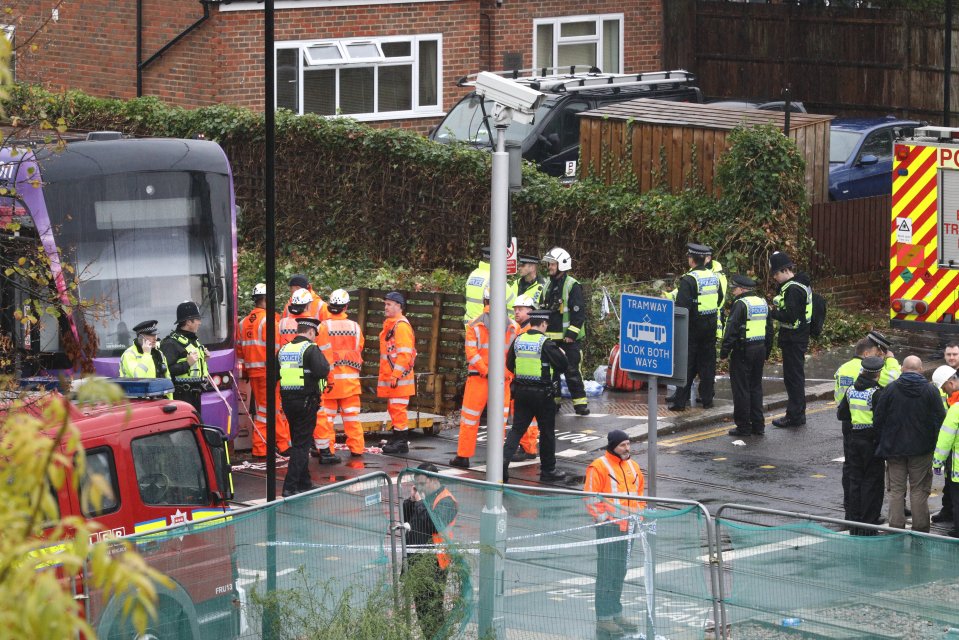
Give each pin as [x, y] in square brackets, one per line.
[527, 259]
[879, 340]
[779, 261]
[307, 322]
[147, 327]
[872, 364]
[187, 311]
[742, 281]
[699, 249]
[539, 315]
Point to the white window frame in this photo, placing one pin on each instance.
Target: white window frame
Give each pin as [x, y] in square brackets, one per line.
[595, 39]
[347, 62]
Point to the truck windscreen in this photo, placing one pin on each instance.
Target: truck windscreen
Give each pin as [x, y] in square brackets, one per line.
[464, 123]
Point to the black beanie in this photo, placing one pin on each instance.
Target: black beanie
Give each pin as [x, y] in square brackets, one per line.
[613, 438]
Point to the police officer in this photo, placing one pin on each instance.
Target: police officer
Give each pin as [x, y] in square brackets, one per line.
[699, 293]
[529, 283]
[863, 472]
[792, 308]
[476, 284]
[747, 341]
[874, 344]
[534, 359]
[185, 355]
[142, 359]
[303, 372]
[563, 296]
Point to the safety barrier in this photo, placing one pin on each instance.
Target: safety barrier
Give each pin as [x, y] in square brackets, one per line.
[333, 556]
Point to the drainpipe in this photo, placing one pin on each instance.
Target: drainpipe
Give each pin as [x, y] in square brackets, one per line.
[141, 65]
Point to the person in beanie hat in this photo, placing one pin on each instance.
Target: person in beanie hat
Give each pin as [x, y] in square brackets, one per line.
[396, 380]
[185, 356]
[614, 472]
[792, 308]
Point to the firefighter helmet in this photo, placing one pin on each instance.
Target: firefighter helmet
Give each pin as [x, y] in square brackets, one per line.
[259, 289]
[524, 301]
[486, 292]
[561, 257]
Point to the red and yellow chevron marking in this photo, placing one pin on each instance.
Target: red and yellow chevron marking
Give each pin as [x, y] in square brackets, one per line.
[913, 266]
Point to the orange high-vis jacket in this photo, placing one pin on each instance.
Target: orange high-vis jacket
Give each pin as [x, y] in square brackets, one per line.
[341, 341]
[251, 346]
[442, 558]
[610, 474]
[316, 309]
[477, 341]
[397, 353]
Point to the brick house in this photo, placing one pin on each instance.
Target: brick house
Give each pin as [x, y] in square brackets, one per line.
[393, 62]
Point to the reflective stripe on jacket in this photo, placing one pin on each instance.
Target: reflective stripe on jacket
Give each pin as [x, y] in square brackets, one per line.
[198, 371]
[860, 407]
[292, 371]
[529, 360]
[780, 302]
[476, 284]
[948, 442]
[341, 341]
[446, 536]
[397, 355]
[610, 474]
[251, 348]
[756, 313]
[707, 291]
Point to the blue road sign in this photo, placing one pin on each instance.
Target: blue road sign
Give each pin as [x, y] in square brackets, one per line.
[646, 335]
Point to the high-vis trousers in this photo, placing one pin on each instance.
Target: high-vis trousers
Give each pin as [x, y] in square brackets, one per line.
[258, 386]
[349, 409]
[397, 410]
[474, 401]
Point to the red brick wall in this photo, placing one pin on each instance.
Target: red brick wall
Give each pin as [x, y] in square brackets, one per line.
[857, 291]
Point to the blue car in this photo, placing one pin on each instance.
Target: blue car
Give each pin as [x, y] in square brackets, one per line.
[860, 155]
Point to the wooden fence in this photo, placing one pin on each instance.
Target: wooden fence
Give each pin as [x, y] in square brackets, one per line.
[851, 236]
[838, 61]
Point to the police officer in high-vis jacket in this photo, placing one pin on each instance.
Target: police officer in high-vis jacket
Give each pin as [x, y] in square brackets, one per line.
[185, 356]
[699, 292]
[142, 359]
[863, 472]
[303, 372]
[563, 296]
[792, 308]
[747, 341]
[533, 358]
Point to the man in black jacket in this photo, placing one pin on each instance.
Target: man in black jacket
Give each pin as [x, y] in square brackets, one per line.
[563, 296]
[792, 308]
[429, 513]
[907, 417]
[185, 356]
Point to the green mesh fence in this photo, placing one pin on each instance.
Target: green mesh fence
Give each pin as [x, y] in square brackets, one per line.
[804, 579]
[550, 565]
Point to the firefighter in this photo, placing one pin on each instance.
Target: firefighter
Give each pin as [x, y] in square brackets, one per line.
[862, 472]
[529, 443]
[397, 380]
[563, 296]
[252, 355]
[185, 355]
[341, 341]
[303, 373]
[143, 359]
[533, 358]
[529, 282]
[476, 284]
[747, 341]
[700, 294]
[477, 385]
[792, 308]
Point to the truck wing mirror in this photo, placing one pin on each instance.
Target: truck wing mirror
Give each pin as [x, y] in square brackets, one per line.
[222, 469]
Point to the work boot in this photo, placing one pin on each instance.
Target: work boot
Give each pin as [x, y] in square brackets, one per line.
[552, 476]
[397, 444]
[328, 457]
[607, 630]
[581, 410]
[738, 432]
[461, 462]
[676, 407]
[520, 456]
[628, 626]
[354, 454]
[942, 516]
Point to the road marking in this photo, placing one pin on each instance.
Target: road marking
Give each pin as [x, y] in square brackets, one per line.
[591, 415]
[570, 453]
[839, 459]
[767, 466]
[634, 417]
[453, 471]
[719, 431]
[817, 475]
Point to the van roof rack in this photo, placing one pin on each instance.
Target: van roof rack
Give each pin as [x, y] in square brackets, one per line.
[587, 80]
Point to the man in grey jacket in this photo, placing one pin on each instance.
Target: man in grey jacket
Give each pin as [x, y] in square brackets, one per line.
[907, 416]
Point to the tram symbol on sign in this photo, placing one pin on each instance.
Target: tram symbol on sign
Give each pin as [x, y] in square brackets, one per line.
[646, 331]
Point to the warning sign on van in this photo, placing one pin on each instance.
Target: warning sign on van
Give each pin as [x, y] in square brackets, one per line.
[904, 230]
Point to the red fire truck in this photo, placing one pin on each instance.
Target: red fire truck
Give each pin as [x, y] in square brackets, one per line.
[164, 468]
[924, 245]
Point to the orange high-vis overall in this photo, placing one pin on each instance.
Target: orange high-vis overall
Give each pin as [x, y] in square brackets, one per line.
[397, 354]
[530, 440]
[610, 474]
[476, 393]
[341, 341]
[251, 351]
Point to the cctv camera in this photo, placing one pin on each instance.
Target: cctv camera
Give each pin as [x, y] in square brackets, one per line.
[508, 93]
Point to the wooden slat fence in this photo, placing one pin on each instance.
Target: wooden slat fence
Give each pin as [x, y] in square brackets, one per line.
[851, 236]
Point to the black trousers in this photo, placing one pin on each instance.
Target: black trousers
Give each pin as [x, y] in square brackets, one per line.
[610, 572]
[301, 412]
[427, 584]
[529, 403]
[948, 490]
[864, 475]
[574, 377]
[794, 377]
[746, 378]
[702, 363]
[188, 393]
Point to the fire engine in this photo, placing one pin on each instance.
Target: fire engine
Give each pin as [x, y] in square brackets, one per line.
[164, 468]
[924, 246]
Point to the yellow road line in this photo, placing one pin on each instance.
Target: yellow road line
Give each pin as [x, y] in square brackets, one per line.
[721, 431]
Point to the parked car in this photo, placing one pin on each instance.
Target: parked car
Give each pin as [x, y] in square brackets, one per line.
[776, 105]
[860, 155]
[552, 139]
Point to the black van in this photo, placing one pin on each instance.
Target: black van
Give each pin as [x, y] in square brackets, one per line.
[553, 138]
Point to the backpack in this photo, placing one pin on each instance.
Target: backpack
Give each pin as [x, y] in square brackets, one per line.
[818, 315]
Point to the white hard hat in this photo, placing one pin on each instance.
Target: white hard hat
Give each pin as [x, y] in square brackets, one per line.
[942, 374]
[259, 289]
[486, 293]
[339, 298]
[301, 297]
[561, 257]
[524, 301]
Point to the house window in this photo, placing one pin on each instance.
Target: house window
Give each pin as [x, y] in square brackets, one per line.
[368, 79]
[587, 41]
